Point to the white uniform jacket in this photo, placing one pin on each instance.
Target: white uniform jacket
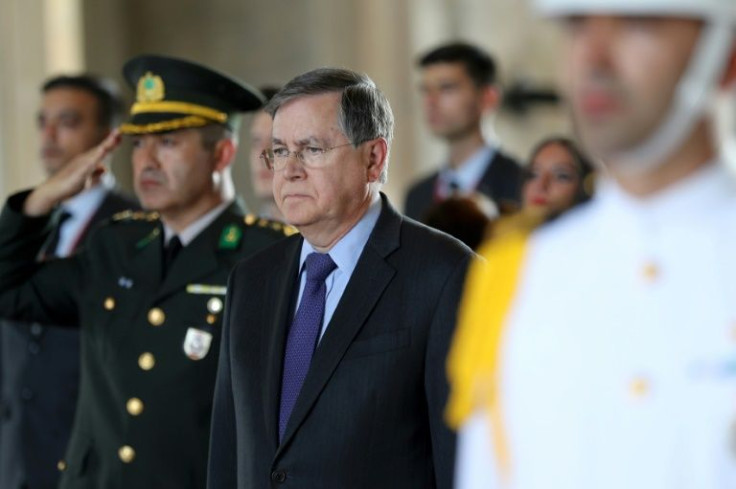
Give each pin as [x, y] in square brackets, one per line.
[618, 358]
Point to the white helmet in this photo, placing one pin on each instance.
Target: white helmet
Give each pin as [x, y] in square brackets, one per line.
[705, 9]
[709, 61]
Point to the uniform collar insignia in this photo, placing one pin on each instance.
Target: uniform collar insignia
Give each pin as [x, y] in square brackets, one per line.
[230, 237]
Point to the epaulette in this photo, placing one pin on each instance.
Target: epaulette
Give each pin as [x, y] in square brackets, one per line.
[135, 216]
[262, 222]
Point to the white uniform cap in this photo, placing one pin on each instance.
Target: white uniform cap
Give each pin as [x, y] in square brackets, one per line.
[705, 9]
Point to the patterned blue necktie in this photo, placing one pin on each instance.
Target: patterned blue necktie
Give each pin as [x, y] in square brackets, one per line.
[303, 334]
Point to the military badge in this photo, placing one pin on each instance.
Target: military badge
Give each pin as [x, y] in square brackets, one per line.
[230, 237]
[206, 289]
[197, 343]
[148, 239]
[150, 88]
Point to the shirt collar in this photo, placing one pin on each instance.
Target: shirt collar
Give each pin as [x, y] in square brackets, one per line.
[195, 228]
[346, 252]
[470, 171]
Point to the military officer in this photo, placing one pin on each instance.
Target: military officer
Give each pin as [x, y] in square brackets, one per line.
[148, 288]
[600, 350]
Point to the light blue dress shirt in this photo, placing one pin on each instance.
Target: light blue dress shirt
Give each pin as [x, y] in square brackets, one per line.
[467, 175]
[82, 208]
[345, 254]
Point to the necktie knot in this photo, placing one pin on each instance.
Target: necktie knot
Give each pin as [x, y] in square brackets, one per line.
[319, 266]
[49, 248]
[63, 216]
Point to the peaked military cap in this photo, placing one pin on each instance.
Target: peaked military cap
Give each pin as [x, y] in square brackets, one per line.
[172, 94]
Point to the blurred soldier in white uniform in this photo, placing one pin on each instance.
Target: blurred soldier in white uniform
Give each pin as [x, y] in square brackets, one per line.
[599, 351]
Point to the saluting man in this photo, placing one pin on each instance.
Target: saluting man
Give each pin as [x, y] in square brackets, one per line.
[148, 289]
[600, 352]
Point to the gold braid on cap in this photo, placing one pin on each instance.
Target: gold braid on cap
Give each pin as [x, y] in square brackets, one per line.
[178, 107]
[163, 126]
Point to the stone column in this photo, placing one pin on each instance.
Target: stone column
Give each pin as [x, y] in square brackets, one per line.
[38, 37]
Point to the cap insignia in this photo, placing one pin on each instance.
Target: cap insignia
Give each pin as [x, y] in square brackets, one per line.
[150, 88]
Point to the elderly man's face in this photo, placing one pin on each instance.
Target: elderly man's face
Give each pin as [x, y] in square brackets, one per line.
[320, 201]
[621, 75]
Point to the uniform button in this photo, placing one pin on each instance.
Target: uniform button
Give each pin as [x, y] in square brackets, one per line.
[61, 465]
[34, 348]
[36, 330]
[134, 406]
[109, 304]
[156, 316]
[146, 361]
[278, 476]
[126, 454]
[639, 387]
[650, 272]
[214, 305]
[26, 394]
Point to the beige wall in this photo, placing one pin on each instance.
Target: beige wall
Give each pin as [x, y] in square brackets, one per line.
[22, 64]
[263, 41]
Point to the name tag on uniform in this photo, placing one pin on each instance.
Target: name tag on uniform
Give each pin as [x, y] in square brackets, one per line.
[197, 343]
[206, 289]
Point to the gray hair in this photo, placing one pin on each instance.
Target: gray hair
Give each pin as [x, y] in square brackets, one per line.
[365, 113]
[214, 133]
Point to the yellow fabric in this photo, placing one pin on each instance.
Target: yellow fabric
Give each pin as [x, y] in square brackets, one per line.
[163, 126]
[178, 108]
[474, 359]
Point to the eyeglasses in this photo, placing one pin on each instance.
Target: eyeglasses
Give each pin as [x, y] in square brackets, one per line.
[309, 156]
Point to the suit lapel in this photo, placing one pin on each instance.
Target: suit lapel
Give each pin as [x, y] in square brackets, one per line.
[491, 175]
[366, 286]
[284, 288]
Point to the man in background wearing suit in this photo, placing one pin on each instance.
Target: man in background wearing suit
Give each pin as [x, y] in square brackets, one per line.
[39, 365]
[331, 371]
[458, 89]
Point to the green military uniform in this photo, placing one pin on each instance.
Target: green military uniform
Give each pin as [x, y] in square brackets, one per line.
[149, 345]
[149, 339]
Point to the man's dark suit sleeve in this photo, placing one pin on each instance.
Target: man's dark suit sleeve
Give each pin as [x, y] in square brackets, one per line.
[436, 383]
[28, 290]
[222, 470]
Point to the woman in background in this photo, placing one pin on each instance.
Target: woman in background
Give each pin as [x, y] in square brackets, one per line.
[557, 178]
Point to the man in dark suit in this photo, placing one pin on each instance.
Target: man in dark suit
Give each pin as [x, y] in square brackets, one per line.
[459, 88]
[39, 365]
[331, 370]
[147, 291]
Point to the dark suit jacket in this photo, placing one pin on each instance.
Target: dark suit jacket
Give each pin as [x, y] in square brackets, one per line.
[144, 409]
[39, 383]
[501, 182]
[369, 414]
